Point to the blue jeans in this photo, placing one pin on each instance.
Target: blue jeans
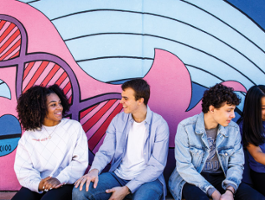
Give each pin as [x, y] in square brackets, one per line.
[152, 190]
[244, 191]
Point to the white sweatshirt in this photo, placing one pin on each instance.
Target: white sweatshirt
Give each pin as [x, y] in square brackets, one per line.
[64, 155]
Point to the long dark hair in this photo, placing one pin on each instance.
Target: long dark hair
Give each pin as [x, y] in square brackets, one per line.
[253, 131]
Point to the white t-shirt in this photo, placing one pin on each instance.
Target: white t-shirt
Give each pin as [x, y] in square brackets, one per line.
[133, 162]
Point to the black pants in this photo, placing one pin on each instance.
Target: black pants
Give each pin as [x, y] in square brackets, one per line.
[62, 193]
[258, 180]
[244, 191]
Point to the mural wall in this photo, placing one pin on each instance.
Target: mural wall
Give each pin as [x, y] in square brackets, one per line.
[89, 48]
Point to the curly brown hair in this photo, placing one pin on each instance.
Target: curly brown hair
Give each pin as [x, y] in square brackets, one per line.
[217, 96]
[32, 107]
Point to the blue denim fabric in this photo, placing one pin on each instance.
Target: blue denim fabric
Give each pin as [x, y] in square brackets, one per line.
[244, 191]
[192, 151]
[155, 149]
[151, 190]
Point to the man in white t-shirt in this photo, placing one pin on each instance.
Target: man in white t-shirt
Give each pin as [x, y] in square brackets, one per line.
[136, 144]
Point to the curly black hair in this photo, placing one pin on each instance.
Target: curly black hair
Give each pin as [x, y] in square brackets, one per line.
[217, 96]
[32, 107]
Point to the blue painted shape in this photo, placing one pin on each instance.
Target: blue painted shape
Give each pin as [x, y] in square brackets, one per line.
[119, 82]
[9, 125]
[28, 1]
[254, 9]
[4, 90]
[237, 116]
[197, 94]
[7, 146]
[10, 133]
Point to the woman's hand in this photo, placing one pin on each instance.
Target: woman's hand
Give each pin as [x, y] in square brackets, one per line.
[49, 183]
[41, 187]
[256, 153]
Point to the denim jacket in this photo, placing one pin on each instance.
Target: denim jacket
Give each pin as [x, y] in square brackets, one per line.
[155, 149]
[192, 150]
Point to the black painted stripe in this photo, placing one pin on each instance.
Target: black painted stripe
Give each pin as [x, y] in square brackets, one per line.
[10, 136]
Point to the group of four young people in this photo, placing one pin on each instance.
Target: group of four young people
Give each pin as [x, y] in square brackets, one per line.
[52, 154]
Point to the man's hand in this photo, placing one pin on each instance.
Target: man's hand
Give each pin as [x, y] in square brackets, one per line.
[118, 193]
[216, 195]
[91, 176]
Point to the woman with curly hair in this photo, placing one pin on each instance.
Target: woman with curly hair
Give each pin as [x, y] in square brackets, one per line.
[52, 153]
[253, 134]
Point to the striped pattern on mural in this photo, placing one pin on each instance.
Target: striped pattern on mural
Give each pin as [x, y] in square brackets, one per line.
[96, 119]
[10, 40]
[46, 73]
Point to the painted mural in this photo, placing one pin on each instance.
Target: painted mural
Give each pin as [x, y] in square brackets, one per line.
[89, 48]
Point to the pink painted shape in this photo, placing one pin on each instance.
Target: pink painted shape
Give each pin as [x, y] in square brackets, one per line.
[176, 79]
[56, 77]
[31, 73]
[12, 53]
[64, 83]
[236, 85]
[170, 89]
[8, 180]
[45, 72]
[11, 45]
[26, 65]
[8, 36]
[96, 126]
[69, 93]
[6, 25]
[36, 25]
[92, 112]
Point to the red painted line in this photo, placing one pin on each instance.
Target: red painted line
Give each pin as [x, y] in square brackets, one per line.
[50, 75]
[9, 41]
[7, 31]
[94, 140]
[26, 71]
[70, 99]
[84, 113]
[61, 79]
[15, 55]
[67, 88]
[11, 50]
[89, 123]
[2, 23]
[37, 75]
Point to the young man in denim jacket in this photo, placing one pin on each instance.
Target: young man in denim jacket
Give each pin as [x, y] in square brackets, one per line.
[136, 144]
[208, 152]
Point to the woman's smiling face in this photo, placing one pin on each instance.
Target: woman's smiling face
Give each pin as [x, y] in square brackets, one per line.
[54, 110]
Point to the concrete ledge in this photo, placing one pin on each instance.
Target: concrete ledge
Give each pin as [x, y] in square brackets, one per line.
[6, 195]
